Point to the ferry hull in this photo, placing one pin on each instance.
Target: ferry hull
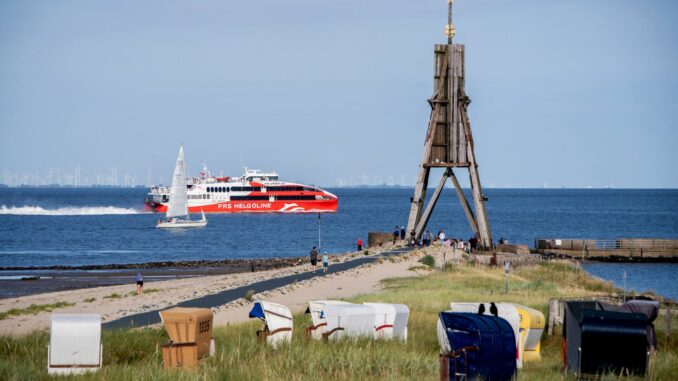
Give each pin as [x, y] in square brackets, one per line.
[301, 206]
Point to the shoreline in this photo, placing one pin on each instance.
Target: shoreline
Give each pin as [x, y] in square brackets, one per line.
[114, 302]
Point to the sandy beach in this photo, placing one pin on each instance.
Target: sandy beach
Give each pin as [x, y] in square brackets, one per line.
[114, 302]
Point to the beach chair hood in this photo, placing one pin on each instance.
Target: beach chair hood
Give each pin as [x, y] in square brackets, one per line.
[478, 346]
[390, 320]
[277, 319]
[75, 343]
[316, 308]
[350, 320]
[506, 311]
[598, 340]
[532, 325]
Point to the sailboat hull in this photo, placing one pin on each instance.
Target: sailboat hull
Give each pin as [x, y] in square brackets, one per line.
[181, 224]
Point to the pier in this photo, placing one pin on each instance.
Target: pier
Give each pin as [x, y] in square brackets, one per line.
[615, 250]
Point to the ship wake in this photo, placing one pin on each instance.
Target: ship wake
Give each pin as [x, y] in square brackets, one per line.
[28, 210]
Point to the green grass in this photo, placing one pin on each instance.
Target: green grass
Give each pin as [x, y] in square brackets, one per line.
[89, 300]
[34, 309]
[114, 295]
[146, 291]
[136, 354]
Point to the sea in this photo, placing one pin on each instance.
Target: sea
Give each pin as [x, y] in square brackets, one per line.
[97, 226]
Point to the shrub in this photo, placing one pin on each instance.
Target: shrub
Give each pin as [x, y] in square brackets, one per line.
[428, 260]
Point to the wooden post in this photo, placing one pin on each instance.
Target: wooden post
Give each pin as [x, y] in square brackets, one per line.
[667, 322]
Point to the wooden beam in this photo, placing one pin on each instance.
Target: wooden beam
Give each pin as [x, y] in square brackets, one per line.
[476, 188]
[431, 204]
[465, 205]
[446, 165]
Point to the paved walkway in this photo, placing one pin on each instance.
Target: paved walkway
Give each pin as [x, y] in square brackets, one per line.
[227, 296]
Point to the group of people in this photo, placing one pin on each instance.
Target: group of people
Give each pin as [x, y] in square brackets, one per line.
[398, 233]
[314, 260]
[427, 238]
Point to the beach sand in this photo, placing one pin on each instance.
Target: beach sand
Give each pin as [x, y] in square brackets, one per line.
[114, 302]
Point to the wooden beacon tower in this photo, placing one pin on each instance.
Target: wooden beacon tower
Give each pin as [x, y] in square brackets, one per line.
[449, 142]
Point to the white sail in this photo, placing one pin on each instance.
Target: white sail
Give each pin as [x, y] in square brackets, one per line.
[178, 201]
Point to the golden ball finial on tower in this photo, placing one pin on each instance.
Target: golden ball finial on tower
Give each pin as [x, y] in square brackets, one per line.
[450, 30]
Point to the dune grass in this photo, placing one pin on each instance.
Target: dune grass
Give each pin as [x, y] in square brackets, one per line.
[136, 354]
[33, 309]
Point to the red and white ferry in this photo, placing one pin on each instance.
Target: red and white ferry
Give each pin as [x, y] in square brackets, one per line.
[255, 191]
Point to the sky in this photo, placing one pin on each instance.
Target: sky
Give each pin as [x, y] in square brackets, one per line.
[564, 93]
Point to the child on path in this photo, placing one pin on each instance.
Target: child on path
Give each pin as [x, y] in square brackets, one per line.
[326, 263]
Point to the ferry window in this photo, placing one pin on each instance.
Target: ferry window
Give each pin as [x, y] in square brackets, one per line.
[249, 198]
[285, 198]
[256, 189]
[228, 189]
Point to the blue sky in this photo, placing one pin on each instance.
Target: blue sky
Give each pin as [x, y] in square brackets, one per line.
[565, 93]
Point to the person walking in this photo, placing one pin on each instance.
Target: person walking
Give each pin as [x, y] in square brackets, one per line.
[140, 284]
[396, 234]
[314, 258]
[441, 236]
[360, 244]
[402, 232]
[326, 263]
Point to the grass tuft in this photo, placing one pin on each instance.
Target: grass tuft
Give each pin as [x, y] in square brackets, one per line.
[428, 261]
[34, 309]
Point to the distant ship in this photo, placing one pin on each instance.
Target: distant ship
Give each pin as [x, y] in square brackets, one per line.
[253, 192]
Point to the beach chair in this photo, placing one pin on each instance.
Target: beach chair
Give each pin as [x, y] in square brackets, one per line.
[277, 320]
[650, 309]
[596, 340]
[316, 310]
[390, 320]
[190, 336]
[475, 346]
[349, 320]
[505, 311]
[75, 344]
[532, 325]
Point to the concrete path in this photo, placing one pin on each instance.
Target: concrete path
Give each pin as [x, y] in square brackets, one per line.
[227, 296]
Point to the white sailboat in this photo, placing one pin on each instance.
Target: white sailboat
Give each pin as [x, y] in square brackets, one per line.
[177, 210]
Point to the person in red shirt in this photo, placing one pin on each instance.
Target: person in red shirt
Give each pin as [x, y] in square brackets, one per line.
[360, 244]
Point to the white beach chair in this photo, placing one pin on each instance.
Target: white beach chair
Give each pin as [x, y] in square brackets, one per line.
[390, 320]
[317, 310]
[506, 311]
[349, 320]
[75, 344]
[278, 322]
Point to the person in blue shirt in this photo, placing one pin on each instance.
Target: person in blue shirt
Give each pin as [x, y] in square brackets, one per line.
[140, 284]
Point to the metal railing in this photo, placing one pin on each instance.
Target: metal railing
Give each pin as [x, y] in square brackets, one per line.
[606, 244]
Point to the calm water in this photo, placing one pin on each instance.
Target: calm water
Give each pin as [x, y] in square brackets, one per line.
[100, 226]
